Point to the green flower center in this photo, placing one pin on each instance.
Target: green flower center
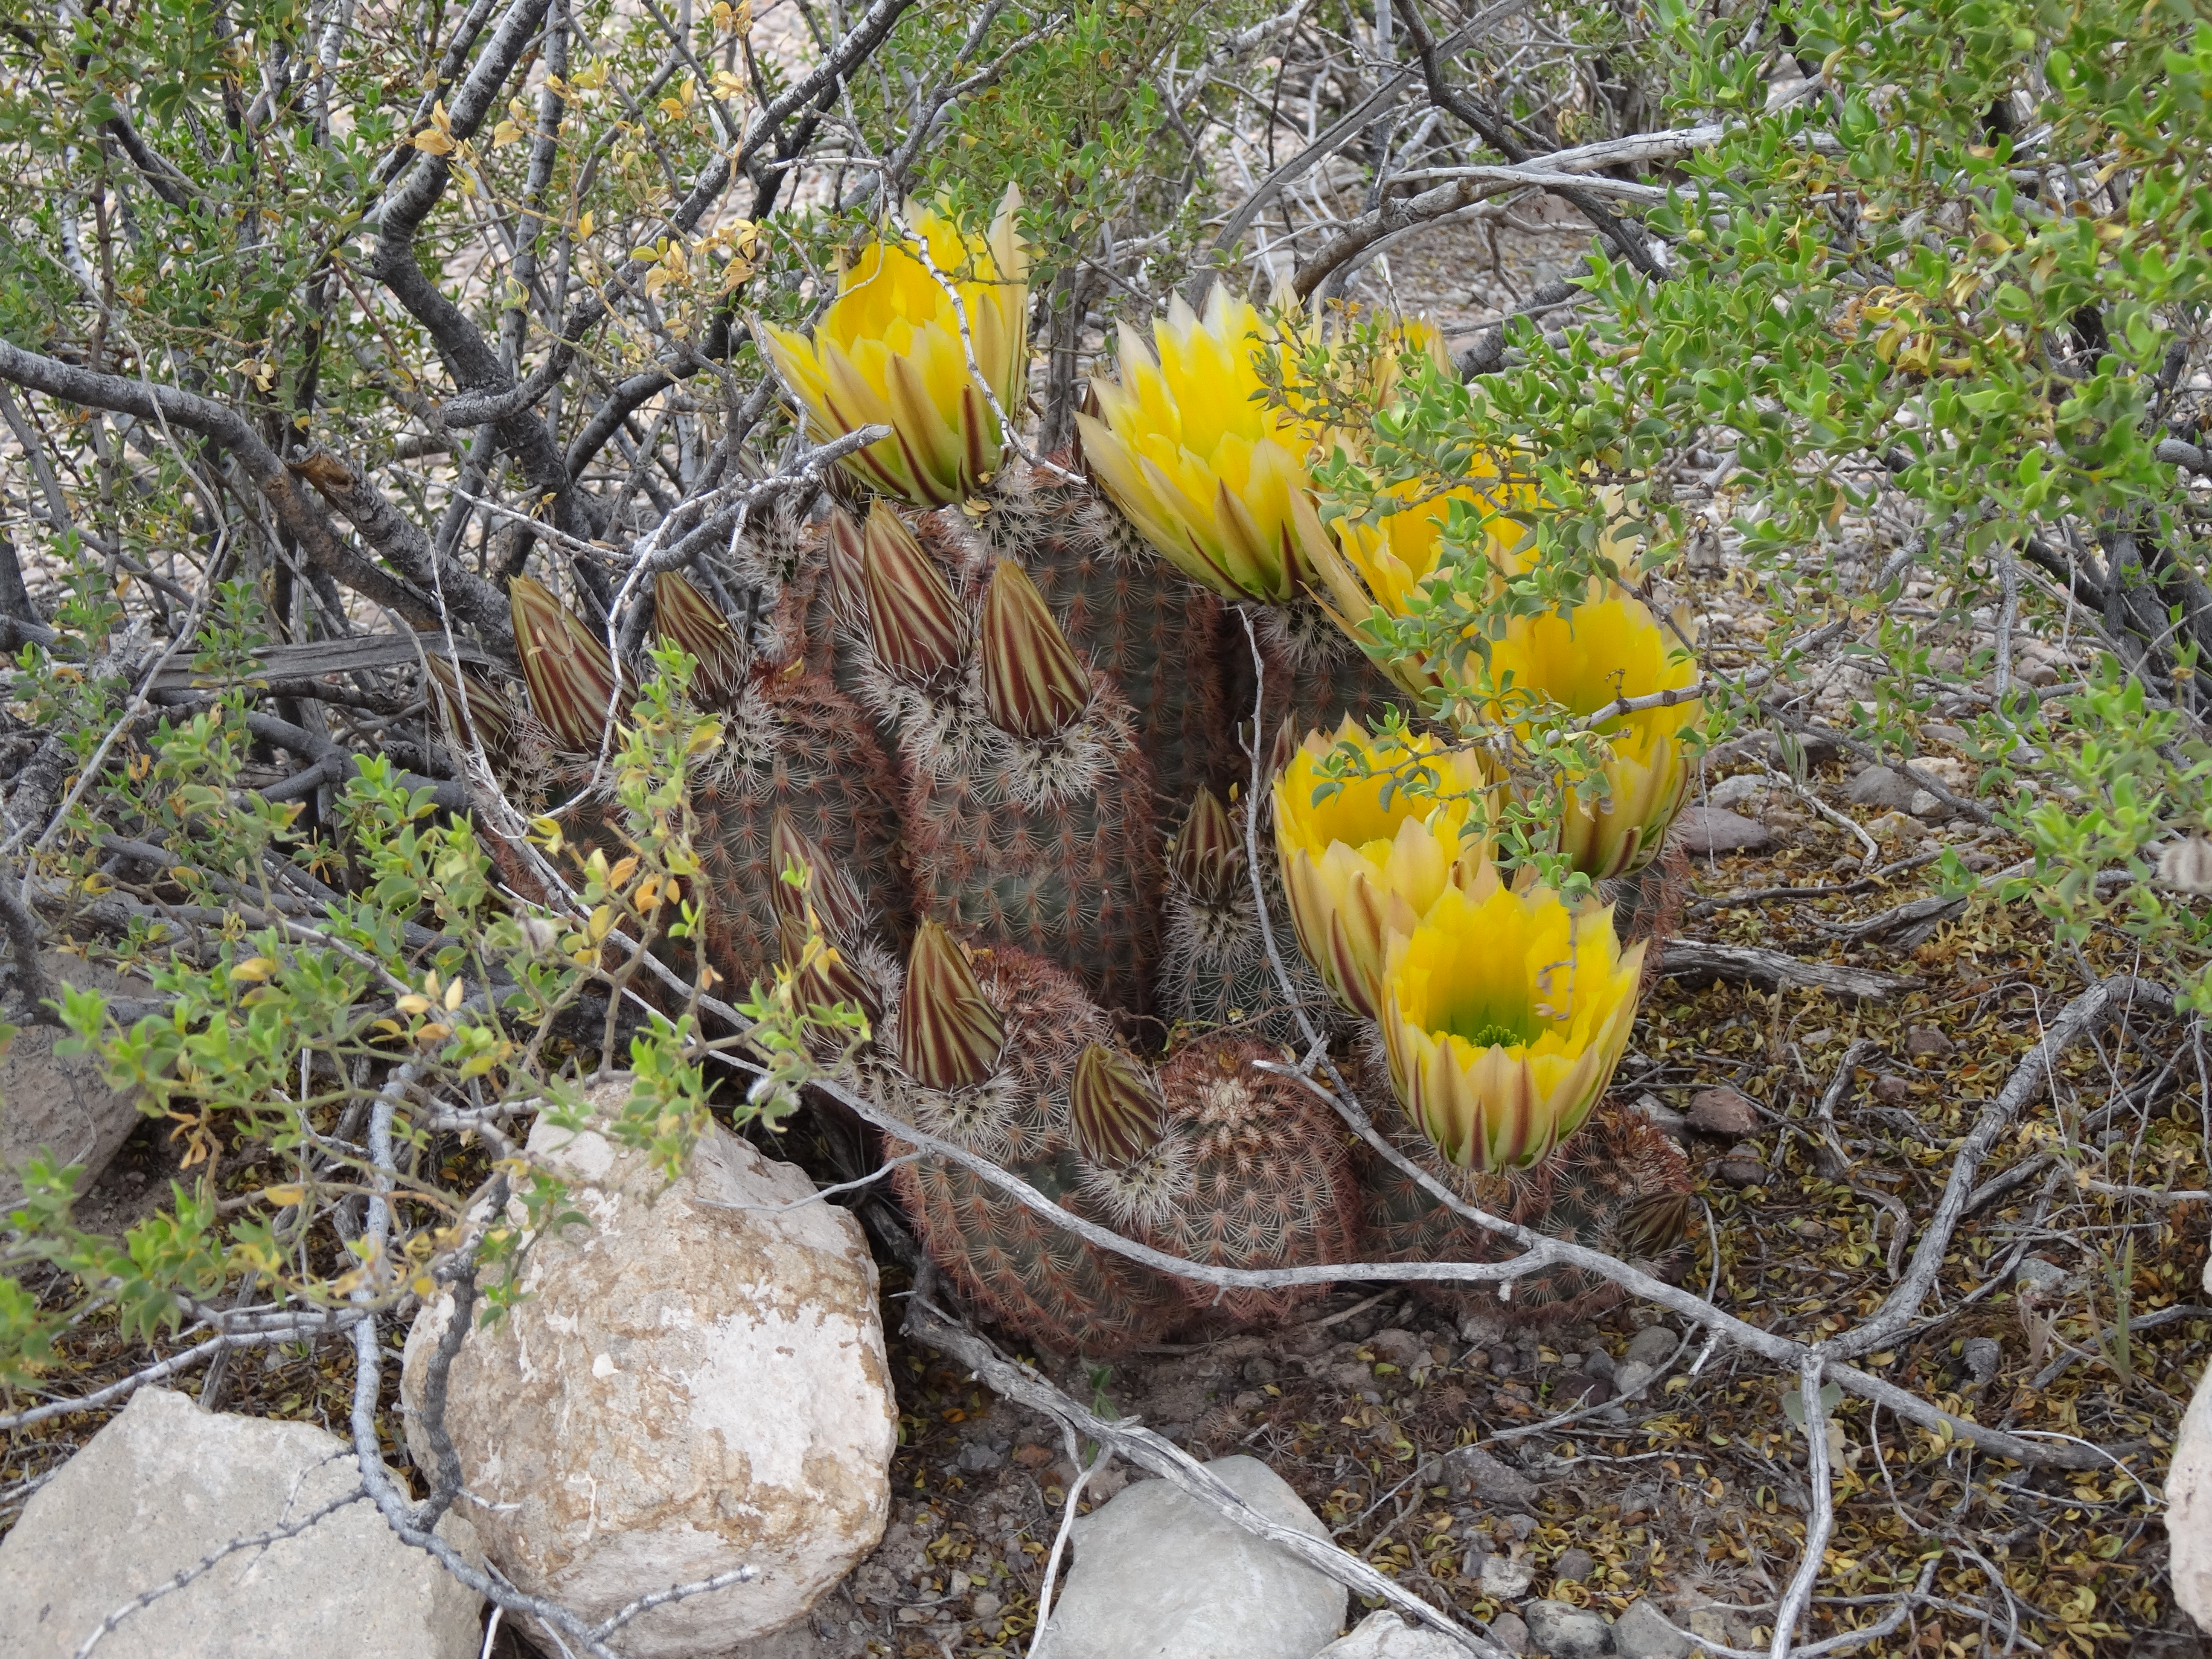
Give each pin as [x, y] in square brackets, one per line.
[1491, 1035]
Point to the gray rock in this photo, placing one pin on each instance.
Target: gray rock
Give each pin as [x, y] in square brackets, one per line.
[1158, 1574]
[1598, 1363]
[1879, 786]
[1470, 1472]
[1386, 1636]
[165, 1485]
[2188, 1503]
[1506, 1577]
[1573, 1566]
[59, 1103]
[2041, 1277]
[1511, 1631]
[1925, 1042]
[1652, 1344]
[1642, 1634]
[1631, 1377]
[1669, 1120]
[1983, 1356]
[1932, 808]
[1744, 1166]
[1729, 1112]
[978, 1458]
[1566, 1631]
[1732, 793]
[1705, 830]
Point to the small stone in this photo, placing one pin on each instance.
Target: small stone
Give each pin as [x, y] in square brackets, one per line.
[1652, 1344]
[1402, 1348]
[1925, 1042]
[1732, 793]
[2039, 1277]
[1709, 831]
[1505, 1577]
[1518, 1528]
[1891, 1090]
[1880, 786]
[1576, 1389]
[1723, 1111]
[1630, 1378]
[1642, 1632]
[1470, 1472]
[1743, 1166]
[1929, 808]
[986, 1605]
[1565, 1632]
[1573, 1566]
[978, 1458]
[1954, 735]
[1159, 1572]
[1386, 1636]
[1669, 1121]
[1511, 1631]
[1707, 1624]
[1983, 1357]
[1598, 1363]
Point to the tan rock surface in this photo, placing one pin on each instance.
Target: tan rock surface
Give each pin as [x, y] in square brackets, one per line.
[695, 1382]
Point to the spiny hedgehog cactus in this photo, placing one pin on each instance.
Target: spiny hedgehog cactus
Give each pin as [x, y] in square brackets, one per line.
[983, 1053]
[967, 701]
[1220, 1162]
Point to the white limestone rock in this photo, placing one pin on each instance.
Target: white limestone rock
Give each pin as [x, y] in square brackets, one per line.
[1386, 1636]
[165, 1485]
[693, 1382]
[1160, 1576]
[2189, 1502]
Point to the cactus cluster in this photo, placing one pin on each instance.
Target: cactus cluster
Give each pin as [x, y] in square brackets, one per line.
[1003, 717]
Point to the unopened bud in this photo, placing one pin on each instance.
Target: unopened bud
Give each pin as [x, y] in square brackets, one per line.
[849, 592]
[2187, 865]
[914, 623]
[1208, 860]
[1033, 686]
[571, 676]
[949, 1036]
[686, 618]
[1114, 1114]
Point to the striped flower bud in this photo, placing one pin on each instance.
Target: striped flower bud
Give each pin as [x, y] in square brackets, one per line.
[571, 678]
[1209, 858]
[914, 623]
[1033, 685]
[1115, 1115]
[848, 590]
[949, 1036]
[489, 713]
[686, 617]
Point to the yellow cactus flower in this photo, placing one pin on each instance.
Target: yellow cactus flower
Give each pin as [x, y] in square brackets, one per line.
[1602, 651]
[1371, 858]
[890, 350]
[1503, 1016]
[1187, 447]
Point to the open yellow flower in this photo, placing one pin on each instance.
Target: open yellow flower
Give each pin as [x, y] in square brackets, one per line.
[1371, 858]
[1604, 650]
[1503, 1016]
[890, 350]
[1187, 447]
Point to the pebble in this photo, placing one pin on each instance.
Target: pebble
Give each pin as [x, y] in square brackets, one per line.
[1470, 1472]
[1732, 793]
[1723, 1111]
[1505, 1577]
[1386, 1636]
[2034, 1274]
[1743, 1166]
[1652, 1344]
[1709, 831]
[1573, 1566]
[1641, 1632]
[1890, 1090]
[1631, 1377]
[1924, 1042]
[1511, 1631]
[1669, 1121]
[1878, 786]
[1565, 1632]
